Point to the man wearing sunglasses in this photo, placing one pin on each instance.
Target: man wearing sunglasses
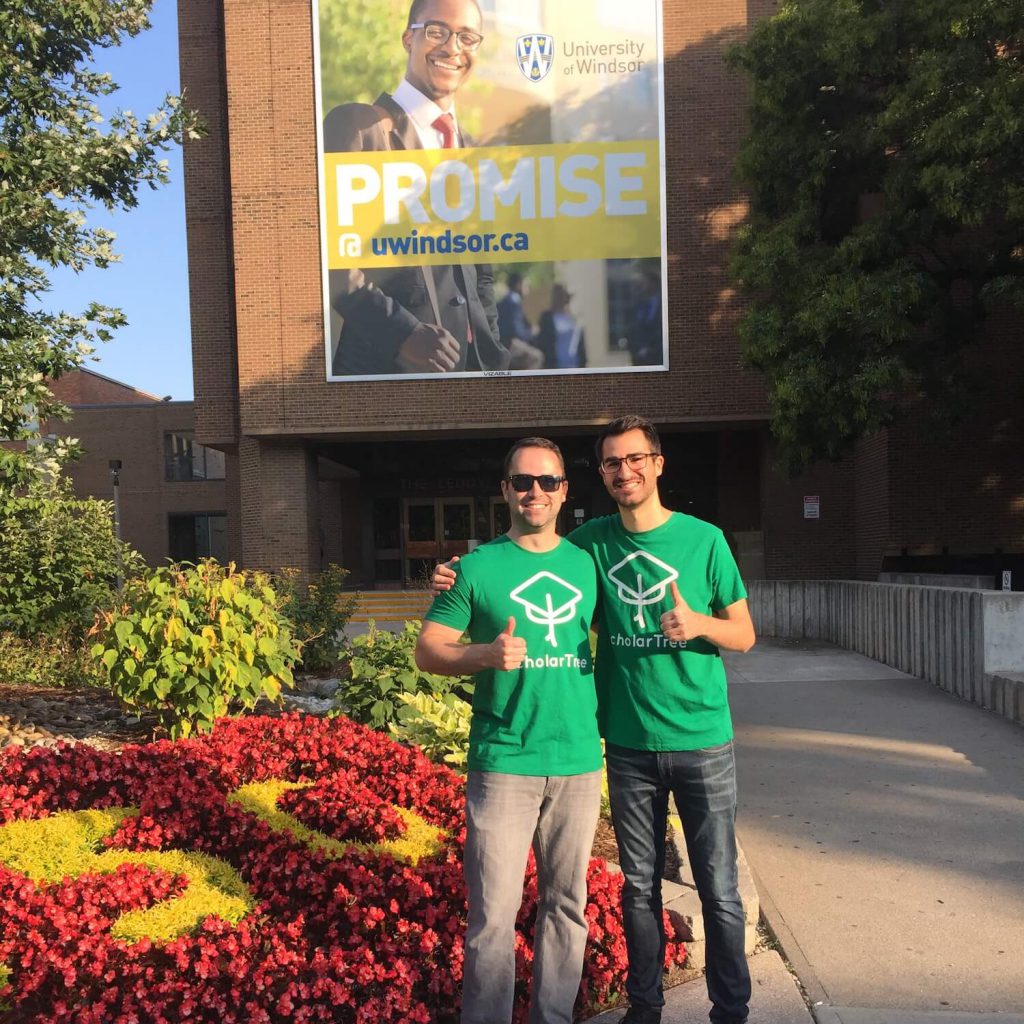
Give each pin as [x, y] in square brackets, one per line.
[526, 601]
[416, 319]
[671, 599]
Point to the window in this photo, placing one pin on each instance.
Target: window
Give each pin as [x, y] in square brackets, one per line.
[187, 460]
[198, 536]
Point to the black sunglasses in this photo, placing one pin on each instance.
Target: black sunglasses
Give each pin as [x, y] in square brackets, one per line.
[524, 482]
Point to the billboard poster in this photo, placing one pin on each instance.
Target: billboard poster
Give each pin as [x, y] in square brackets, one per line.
[492, 187]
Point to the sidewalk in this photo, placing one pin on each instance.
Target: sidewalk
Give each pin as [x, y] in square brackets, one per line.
[884, 823]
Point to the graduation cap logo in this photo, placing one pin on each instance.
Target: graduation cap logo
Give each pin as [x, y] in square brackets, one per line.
[642, 579]
[548, 600]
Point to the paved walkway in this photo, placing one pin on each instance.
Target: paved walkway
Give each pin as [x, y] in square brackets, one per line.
[884, 824]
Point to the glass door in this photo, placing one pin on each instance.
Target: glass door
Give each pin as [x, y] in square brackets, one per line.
[434, 529]
[500, 520]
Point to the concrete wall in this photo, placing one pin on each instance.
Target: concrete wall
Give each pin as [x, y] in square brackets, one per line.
[969, 642]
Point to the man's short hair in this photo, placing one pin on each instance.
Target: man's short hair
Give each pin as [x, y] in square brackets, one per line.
[533, 442]
[513, 279]
[417, 5]
[623, 425]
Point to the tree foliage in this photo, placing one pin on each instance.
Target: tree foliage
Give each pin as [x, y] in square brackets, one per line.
[60, 563]
[361, 51]
[59, 158]
[885, 165]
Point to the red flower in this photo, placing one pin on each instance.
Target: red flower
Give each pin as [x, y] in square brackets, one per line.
[356, 938]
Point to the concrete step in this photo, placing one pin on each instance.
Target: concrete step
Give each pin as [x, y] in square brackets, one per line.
[683, 904]
[391, 605]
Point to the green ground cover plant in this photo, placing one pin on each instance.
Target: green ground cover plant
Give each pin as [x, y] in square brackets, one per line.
[381, 668]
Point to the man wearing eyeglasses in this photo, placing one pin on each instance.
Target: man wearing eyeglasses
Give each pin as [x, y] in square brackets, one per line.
[671, 599]
[526, 601]
[391, 323]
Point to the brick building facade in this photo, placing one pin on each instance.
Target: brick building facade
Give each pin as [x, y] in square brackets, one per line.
[381, 475]
[171, 490]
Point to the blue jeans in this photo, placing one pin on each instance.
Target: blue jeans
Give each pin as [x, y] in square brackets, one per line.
[703, 785]
[505, 816]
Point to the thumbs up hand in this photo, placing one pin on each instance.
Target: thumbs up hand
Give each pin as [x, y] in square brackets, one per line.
[682, 622]
[508, 650]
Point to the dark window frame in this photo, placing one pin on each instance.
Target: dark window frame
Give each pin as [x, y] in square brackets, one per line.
[180, 461]
[196, 554]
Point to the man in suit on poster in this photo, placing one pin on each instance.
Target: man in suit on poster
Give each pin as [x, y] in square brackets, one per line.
[388, 314]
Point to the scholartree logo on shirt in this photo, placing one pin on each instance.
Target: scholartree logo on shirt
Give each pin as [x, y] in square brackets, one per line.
[548, 600]
[641, 579]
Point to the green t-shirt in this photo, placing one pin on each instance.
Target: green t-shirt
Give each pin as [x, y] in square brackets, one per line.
[655, 693]
[542, 718]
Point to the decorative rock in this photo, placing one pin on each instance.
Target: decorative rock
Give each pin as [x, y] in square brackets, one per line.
[327, 688]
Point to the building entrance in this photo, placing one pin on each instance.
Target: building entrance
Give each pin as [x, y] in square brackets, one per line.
[433, 529]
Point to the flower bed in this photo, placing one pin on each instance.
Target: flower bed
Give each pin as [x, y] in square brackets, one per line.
[279, 869]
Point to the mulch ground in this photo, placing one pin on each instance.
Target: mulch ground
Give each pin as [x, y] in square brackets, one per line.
[604, 847]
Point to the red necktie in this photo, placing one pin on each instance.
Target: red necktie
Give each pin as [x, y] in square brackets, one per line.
[445, 127]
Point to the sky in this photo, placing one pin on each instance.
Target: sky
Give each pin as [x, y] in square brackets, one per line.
[153, 352]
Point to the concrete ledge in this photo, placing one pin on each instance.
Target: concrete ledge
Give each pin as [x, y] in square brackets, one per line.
[954, 637]
[1004, 694]
[684, 909]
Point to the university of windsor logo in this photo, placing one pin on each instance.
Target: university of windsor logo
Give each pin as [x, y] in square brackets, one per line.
[535, 54]
[641, 580]
[548, 600]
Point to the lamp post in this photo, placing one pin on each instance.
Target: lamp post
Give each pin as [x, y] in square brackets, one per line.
[115, 479]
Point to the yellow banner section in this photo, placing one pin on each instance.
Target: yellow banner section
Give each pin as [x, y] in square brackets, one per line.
[497, 204]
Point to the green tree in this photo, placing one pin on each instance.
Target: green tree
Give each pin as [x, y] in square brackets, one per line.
[60, 560]
[59, 159]
[885, 166]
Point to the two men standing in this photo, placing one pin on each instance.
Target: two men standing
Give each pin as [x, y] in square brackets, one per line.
[671, 598]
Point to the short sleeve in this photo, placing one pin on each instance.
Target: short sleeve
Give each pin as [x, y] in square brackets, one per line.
[582, 536]
[723, 575]
[453, 607]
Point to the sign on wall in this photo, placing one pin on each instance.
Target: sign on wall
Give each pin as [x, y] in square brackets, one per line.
[492, 187]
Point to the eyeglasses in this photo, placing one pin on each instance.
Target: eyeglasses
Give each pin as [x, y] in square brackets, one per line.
[524, 482]
[635, 460]
[438, 33]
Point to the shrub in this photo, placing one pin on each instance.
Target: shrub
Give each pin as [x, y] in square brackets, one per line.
[318, 611]
[60, 561]
[381, 668]
[439, 726]
[55, 659]
[195, 642]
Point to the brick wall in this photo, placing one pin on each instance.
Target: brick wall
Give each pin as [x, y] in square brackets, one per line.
[208, 221]
[280, 523]
[83, 387]
[798, 548]
[871, 481]
[135, 435]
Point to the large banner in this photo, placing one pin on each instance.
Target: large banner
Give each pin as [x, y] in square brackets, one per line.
[492, 184]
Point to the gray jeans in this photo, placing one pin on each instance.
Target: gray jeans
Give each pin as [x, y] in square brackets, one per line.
[505, 815]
